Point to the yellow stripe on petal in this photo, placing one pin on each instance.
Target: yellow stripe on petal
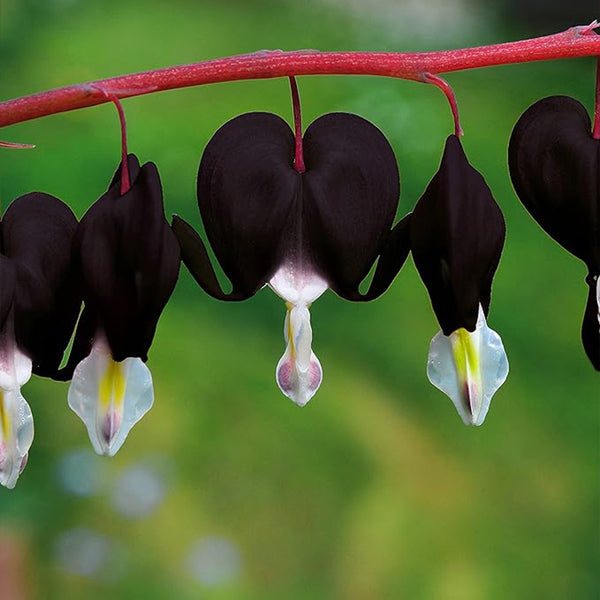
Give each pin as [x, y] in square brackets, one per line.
[465, 349]
[468, 367]
[112, 385]
[4, 418]
[110, 397]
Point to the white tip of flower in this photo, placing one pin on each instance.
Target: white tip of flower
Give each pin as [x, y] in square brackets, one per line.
[297, 284]
[15, 367]
[468, 367]
[110, 397]
[299, 371]
[16, 435]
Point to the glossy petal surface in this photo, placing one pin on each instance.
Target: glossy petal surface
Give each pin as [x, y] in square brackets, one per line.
[16, 420]
[37, 236]
[248, 196]
[16, 435]
[468, 367]
[555, 168]
[259, 213]
[129, 262]
[351, 190]
[7, 290]
[110, 397]
[299, 371]
[457, 234]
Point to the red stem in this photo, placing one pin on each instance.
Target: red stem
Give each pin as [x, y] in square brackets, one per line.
[574, 42]
[16, 145]
[449, 93]
[299, 160]
[125, 181]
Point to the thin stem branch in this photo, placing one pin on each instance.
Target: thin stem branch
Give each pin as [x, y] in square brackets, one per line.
[574, 42]
[16, 145]
[299, 158]
[449, 93]
[125, 180]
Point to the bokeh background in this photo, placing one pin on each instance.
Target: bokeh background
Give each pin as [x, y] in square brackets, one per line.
[375, 490]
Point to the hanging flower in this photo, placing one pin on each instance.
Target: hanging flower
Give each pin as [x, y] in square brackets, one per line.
[555, 167]
[38, 309]
[457, 233]
[298, 232]
[128, 259]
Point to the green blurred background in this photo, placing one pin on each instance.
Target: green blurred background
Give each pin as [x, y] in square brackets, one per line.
[226, 490]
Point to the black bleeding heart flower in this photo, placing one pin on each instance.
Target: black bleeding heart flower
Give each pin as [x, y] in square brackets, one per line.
[299, 232]
[555, 167]
[457, 233]
[38, 310]
[128, 259]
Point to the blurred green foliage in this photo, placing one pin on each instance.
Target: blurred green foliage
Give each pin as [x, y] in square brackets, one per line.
[375, 489]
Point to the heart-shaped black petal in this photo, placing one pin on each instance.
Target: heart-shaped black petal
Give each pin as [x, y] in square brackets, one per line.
[129, 262]
[457, 233]
[351, 190]
[590, 331]
[247, 195]
[555, 168]
[37, 236]
[258, 211]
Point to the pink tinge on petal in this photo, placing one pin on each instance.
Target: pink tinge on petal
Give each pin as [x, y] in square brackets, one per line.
[300, 386]
[471, 397]
[23, 463]
[284, 376]
[316, 374]
[110, 426]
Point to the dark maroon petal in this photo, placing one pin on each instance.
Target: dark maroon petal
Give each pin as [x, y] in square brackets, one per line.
[457, 233]
[590, 331]
[351, 190]
[196, 259]
[37, 235]
[133, 166]
[7, 288]
[248, 197]
[392, 258]
[555, 168]
[129, 262]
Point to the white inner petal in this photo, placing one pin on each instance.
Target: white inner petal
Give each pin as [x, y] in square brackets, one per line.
[110, 397]
[16, 420]
[299, 371]
[15, 367]
[16, 435]
[297, 284]
[468, 367]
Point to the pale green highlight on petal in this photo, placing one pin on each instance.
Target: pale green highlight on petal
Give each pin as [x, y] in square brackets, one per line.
[110, 397]
[468, 367]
